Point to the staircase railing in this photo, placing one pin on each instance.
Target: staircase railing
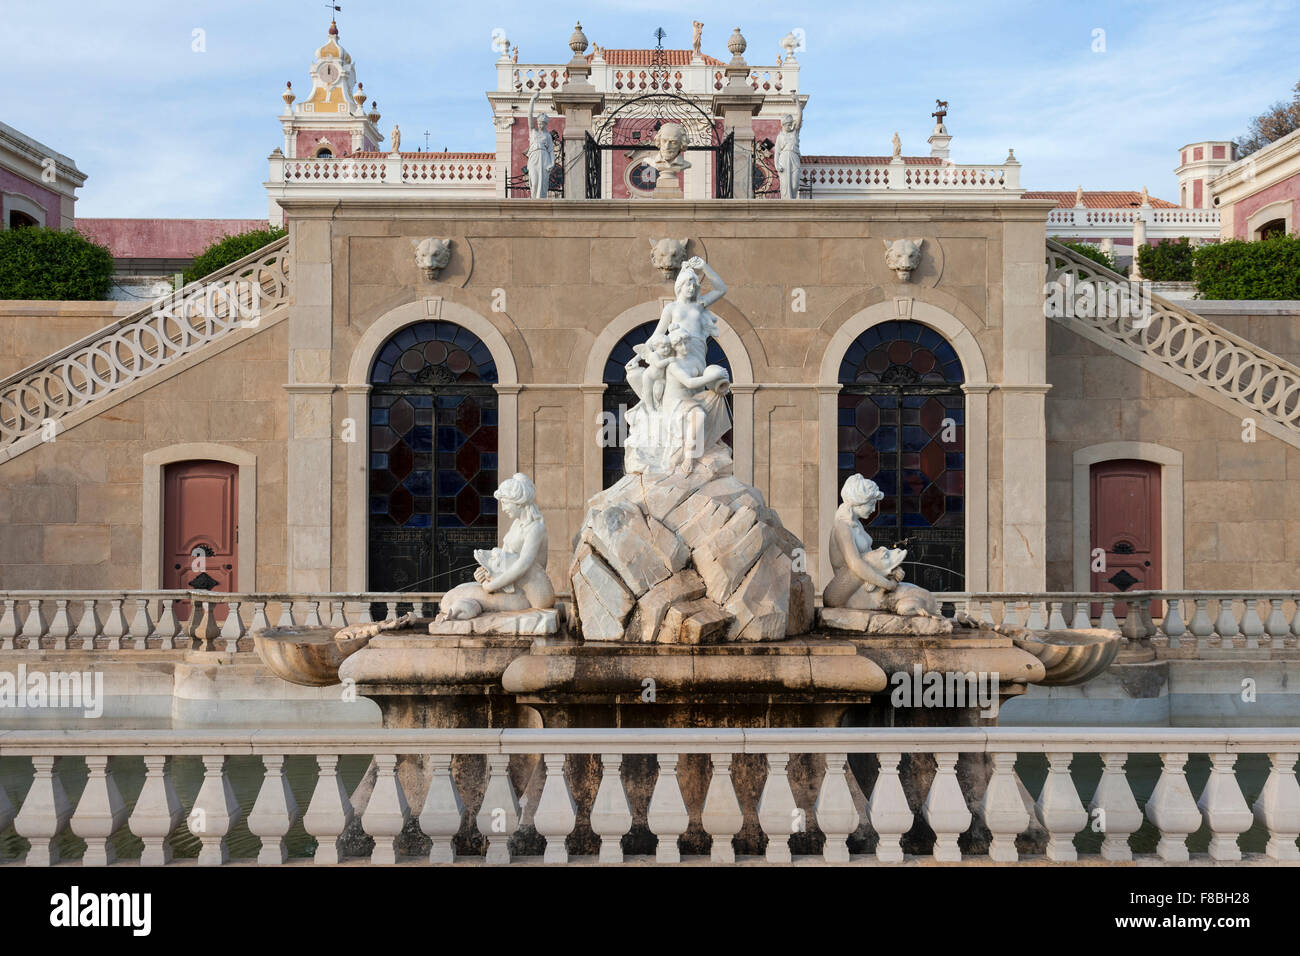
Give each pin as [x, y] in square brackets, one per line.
[242, 295]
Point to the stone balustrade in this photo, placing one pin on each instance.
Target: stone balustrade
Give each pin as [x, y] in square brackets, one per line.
[843, 177]
[1188, 624]
[1090, 223]
[458, 175]
[823, 815]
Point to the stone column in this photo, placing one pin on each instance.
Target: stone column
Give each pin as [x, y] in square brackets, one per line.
[742, 435]
[1024, 426]
[828, 491]
[358, 411]
[311, 425]
[577, 101]
[738, 103]
[977, 491]
[593, 453]
[1139, 240]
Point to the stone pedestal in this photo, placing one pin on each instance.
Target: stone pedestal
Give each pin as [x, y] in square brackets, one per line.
[668, 184]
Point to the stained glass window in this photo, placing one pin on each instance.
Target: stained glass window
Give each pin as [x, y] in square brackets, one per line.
[902, 424]
[433, 458]
[619, 396]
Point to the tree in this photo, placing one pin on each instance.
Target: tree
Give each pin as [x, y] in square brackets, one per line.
[38, 263]
[1271, 125]
[231, 249]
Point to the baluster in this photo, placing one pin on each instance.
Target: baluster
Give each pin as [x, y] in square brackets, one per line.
[1295, 623]
[443, 810]
[100, 813]
[167, 629]
[1003, 809]
[498, 817]
[1276, 625]
[667, 817]
[215, 812]
[1107, 620]
[1251, 625]
[286, 614]
[337, 618]
[1082, 620]
[888, 811]
[158, 811]
[1115, 809]
[141, 625]
[9, 625]
[1055, 619]
[313, 614]
[1059, 809]
[778, 814]
[1037, 621]
[556, 814]
[1201, 626]
[259, 622]
[1278, 807]
[1173, 625]
[6, 810]
[1226, 624]
[273, 813]
[1132, 627]
[206, 631]
[34, 626]
[945, 809]
[363, 613]
[392, 611]
[722, 817]
[387, 812]
[115, 628]
[233, 629]
[1173, 810]
[1010, 616]
[1224, 808]
[1148, 623]
[836, 815]
[60, 627]
[329, 812]
[611, 816]
[44, 814]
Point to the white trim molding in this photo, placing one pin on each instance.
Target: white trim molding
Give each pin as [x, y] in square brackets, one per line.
[1170, 461]
[151, 512]
[357, 391]
[976, 389]
[1283, 209]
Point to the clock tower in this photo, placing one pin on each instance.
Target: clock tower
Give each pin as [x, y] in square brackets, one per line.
[333, 120]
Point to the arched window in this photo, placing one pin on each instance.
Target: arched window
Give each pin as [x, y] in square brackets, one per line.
[433, 458]
[20, 220]
[324, 152]
[619, 396]
[1272, 229]
[902, 424]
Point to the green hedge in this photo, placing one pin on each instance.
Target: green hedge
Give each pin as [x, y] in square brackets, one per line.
[1266, 269]
[1168, 261]
[38, 263]
[231, 249]
[1092, 252]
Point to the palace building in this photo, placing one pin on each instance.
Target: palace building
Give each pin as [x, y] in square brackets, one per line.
[334, 418]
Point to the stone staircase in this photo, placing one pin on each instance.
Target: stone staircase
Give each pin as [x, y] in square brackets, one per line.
[144, 348]
[1180, 346]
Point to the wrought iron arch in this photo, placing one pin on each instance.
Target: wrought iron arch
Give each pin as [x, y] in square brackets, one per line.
[636, 121]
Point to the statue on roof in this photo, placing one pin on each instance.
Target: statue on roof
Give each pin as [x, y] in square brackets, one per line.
[898, 146]
[541, 151]
[698, 27]
[397, 138]
[787, 151]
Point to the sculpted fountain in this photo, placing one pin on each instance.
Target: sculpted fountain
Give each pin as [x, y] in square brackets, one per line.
[689, 605]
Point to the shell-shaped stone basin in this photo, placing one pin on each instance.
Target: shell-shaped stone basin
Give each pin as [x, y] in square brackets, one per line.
[1071, 656]
[305, 655]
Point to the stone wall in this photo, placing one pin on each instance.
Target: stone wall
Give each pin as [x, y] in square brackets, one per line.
[1238, 498]
[71, 511]
[32, 330]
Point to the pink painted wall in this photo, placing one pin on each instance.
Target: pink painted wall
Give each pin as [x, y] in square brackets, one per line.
[308, 140]
[519, 141]
[47, 199]
[1245, 208]
[162, 238]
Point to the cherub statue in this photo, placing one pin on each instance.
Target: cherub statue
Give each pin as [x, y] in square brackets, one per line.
[512, 577]
[867, 578]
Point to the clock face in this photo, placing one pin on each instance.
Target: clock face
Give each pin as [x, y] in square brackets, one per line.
[329, 73]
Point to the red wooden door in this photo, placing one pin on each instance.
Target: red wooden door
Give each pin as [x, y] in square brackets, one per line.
[1126, 526]
[200, 528]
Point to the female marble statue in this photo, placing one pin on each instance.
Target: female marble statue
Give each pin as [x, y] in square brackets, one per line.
[787, 152]
[513, 576]
[541, 151]
[866, 578]
[674, 429]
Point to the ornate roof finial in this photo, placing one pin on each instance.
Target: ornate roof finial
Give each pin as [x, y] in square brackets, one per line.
[737, 44]
[334, 28]
[288, 95]
[578, 41]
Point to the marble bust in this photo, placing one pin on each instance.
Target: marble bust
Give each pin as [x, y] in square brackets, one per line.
[867, 578]
[670, 140]
[512, 577]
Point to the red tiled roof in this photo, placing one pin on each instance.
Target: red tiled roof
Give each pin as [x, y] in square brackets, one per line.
[647, 57]
[872, 160]
[162, 238]
[476, 157]
[1101, 199]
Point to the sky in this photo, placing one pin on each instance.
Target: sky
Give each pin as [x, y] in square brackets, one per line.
[1100, 94]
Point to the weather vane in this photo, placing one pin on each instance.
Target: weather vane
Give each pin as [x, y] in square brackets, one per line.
[333, 7]
[426, 140]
